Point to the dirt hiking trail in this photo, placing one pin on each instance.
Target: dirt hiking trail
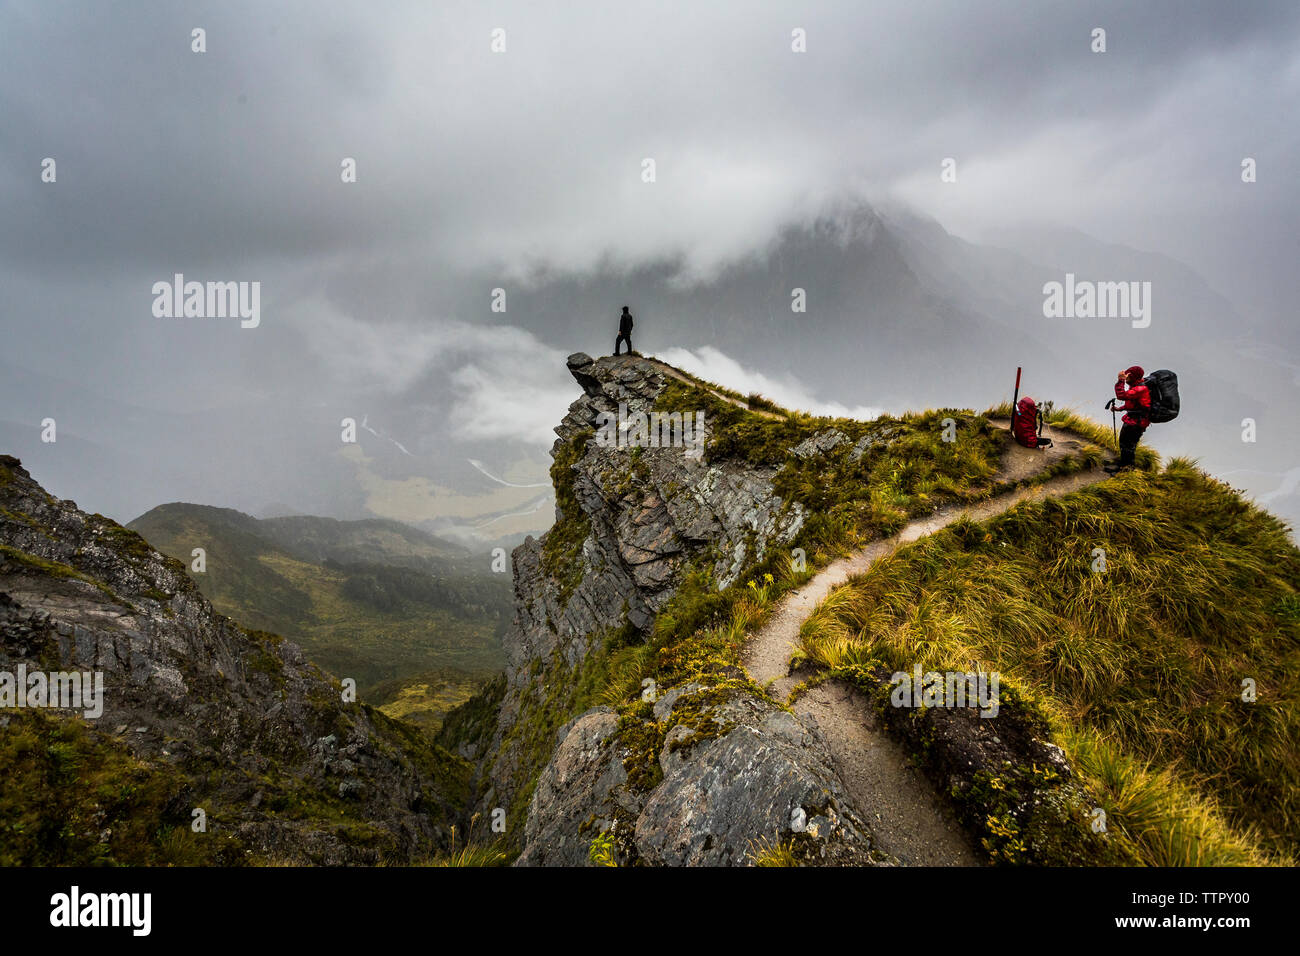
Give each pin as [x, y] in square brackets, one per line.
[908, 818]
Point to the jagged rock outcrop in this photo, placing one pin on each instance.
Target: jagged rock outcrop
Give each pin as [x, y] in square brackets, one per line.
[674, 503]
[713, 768]
[256, 736]
[639, 518]
[732, 769]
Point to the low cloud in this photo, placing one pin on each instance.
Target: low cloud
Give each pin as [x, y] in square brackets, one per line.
[519, 396]
[495, 382]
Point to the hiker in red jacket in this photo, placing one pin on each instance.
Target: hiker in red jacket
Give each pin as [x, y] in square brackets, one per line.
[1137, 415]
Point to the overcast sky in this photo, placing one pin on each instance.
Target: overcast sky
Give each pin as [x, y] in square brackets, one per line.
[226, 165]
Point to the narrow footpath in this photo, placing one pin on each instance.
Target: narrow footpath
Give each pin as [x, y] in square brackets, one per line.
[909, 819]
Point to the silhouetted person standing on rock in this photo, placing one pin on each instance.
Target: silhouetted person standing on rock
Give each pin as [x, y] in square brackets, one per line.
[624, 331]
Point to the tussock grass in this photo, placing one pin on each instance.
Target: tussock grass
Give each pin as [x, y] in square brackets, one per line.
[766, 851]
[471, 854]
[626, 674]
[761, 403]
[1139, 668]
[1162, 820]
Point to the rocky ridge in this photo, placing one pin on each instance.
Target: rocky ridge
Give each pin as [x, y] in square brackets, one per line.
[648, 516]
[239, 721]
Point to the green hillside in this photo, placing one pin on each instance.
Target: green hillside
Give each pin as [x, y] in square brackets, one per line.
[1127, 734]
[370, 600]
[372, 540]
[205, 716]
[1139, 668]
[426, 697]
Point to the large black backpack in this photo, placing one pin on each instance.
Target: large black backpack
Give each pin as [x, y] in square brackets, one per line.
[1163, 386]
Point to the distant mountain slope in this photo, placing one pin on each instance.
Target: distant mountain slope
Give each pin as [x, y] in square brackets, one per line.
[372, 600]
[374, 540]
[199, 717]
[425, 698]
[236, 578]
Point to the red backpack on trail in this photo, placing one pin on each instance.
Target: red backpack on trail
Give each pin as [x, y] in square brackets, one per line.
[1024, 424]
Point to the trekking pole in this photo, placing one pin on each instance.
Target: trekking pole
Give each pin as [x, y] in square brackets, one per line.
[1014, 398]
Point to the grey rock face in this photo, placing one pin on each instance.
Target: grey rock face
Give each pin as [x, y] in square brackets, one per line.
[81, 593]
[735, 769]
[578, 793]
[651, 512]
[877, 438]
[820, 444]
